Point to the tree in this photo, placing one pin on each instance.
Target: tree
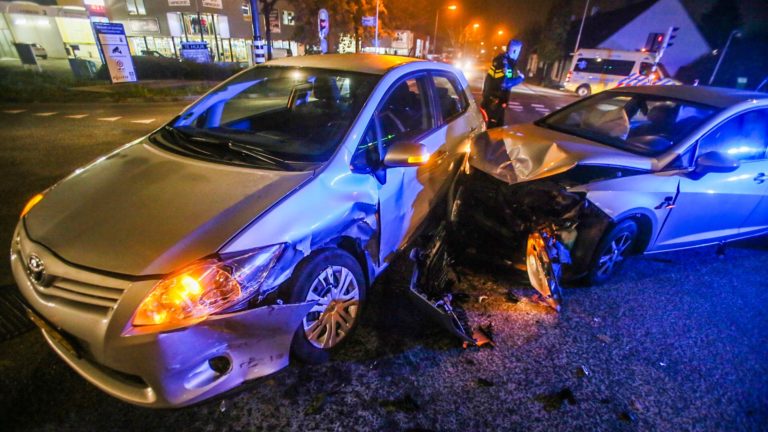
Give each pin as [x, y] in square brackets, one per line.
[719, 21]
[267, 6]
[552, 43]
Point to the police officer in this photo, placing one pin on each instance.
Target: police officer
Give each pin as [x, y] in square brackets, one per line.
[502, 76]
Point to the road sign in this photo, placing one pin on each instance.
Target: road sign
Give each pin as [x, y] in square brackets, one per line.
[114, 47]
[196, 52]
[369, 21]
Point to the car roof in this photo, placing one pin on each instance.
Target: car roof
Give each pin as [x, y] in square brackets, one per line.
[364, 63]
[714, 96]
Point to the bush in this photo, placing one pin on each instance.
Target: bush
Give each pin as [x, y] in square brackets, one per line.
[161, 68]
[18, 85]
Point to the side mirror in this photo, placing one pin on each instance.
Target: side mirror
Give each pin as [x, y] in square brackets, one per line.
[716, 162]
[406, 154]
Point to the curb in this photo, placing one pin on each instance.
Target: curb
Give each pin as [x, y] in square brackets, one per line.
[13, 318]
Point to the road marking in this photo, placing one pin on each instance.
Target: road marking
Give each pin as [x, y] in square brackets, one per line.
[13, 111]
[146, 121]
[537, 105]
[77, 116]
[110, 119]
[46, 114]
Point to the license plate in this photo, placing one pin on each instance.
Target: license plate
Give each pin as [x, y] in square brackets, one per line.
[54, 334]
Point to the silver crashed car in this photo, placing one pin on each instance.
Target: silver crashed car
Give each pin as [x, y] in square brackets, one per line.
[245, 230]
[631, 170]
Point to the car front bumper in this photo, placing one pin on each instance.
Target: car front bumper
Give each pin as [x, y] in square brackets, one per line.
[83, 316]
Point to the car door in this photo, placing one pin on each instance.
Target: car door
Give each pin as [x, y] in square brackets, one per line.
[405, 194]
[755, 135]
[715, 206]
[455, 124]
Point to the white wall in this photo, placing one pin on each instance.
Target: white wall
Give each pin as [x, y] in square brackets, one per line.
[39, 29]
[688, 45]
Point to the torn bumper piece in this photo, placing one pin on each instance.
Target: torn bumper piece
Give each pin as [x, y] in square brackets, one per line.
[429, 287]
[545, 256]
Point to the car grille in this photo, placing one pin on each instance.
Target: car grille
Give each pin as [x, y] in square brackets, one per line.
[81, 292]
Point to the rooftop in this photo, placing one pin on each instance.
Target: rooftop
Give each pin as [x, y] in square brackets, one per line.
[365, 63]
[713, 96]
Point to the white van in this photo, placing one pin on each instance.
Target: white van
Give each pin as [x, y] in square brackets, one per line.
[595, 70]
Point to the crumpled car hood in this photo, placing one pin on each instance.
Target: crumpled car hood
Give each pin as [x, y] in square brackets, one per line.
[527, 152]
[143, 211]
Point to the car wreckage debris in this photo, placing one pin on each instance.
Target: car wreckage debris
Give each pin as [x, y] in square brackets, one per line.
[429, 287]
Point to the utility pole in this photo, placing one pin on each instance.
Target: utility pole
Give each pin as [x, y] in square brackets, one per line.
[722, 54]
[581, 27]
[258, 44]
[434, 38]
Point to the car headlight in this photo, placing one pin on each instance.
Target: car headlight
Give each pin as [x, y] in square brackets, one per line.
[31, 203]
[204, 288]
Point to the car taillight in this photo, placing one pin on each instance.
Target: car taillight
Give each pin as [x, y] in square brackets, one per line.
[485, 115]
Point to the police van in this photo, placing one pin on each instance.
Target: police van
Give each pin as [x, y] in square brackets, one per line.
[595, 70]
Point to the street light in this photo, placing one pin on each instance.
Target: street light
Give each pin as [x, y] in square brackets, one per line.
[722, 55]
[452, 7]
[501, 32]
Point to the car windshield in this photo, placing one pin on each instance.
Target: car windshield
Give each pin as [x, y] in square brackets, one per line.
[272, 116]
[642, 124]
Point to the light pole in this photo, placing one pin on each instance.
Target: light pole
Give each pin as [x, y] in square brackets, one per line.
[437, 17]
[722, 54]
[377, 26]
[581, 27]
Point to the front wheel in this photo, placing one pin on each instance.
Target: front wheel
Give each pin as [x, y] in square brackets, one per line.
[615, 246]
[584, 90]
[334, 280]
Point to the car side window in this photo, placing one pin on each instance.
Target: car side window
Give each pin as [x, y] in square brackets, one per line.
[405, 113]
[451, 100]
[744, 137]
[366, 156]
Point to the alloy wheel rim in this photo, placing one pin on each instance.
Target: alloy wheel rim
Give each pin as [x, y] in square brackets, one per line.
[614, 254]
[337, 295]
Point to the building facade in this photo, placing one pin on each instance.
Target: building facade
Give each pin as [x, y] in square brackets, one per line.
[152, 27]
[226, 26]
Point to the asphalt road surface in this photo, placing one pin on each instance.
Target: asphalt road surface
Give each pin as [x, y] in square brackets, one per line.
[679, 341]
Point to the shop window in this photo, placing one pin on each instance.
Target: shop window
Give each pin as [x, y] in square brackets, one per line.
[289, 18]
[136, 7]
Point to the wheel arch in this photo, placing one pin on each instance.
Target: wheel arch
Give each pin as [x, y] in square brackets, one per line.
[353, 247]
[645, 228]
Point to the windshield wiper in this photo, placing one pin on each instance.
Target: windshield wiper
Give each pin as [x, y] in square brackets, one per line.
[258, 154]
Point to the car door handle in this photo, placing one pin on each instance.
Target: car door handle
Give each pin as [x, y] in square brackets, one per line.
[760, 178]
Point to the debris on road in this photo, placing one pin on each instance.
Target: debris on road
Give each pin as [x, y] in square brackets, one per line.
[482, 382]
[553, 401]
[604, 338]
[583, 371]
[405, 404]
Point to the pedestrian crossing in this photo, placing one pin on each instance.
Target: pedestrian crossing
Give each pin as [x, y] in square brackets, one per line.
[78, 116]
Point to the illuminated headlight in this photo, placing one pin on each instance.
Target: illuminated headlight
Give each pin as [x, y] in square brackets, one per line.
[204, 288]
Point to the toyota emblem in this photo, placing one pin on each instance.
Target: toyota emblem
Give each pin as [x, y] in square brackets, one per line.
[35, 268]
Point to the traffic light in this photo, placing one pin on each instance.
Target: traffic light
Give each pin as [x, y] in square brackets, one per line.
[654, 42]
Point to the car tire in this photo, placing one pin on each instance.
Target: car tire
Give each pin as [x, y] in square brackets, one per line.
[616, 245]
[339, 308]
[584, 90]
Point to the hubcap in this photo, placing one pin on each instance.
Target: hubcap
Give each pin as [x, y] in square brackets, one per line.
[613, 254]
[338, 298]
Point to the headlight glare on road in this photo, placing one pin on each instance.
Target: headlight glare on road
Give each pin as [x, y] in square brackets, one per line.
[205, 288]
[31, 203]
